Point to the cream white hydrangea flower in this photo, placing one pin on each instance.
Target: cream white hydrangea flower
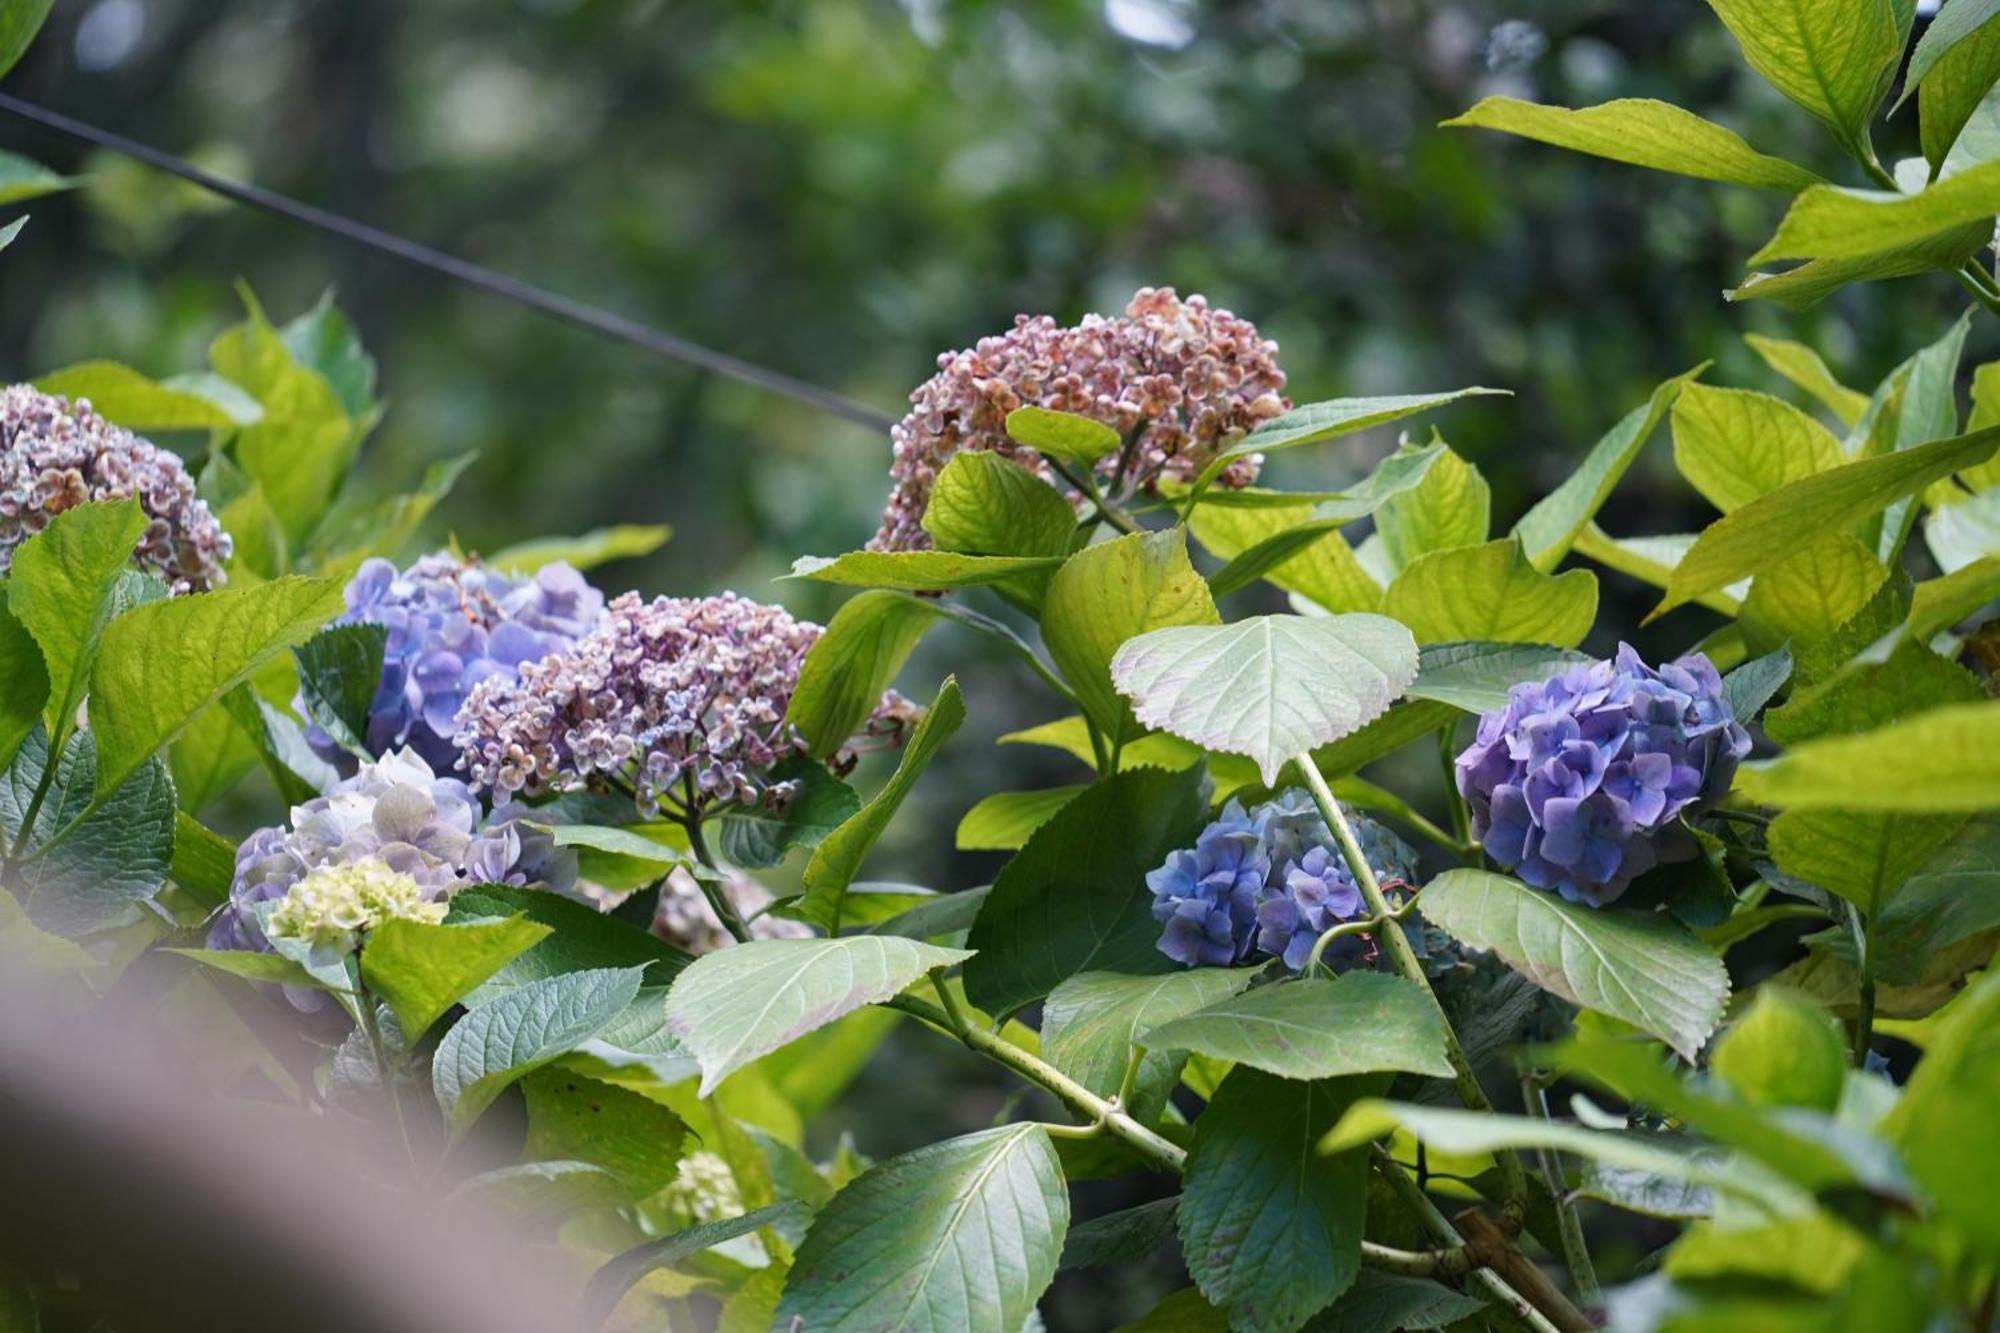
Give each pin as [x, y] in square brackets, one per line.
[702, 1190]
[334, 905]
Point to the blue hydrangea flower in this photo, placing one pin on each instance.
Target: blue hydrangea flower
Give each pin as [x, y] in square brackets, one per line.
[453, 623]
[1575, 785]
[1267, 881]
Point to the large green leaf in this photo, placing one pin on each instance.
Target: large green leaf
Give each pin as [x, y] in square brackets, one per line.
[1644, 133]
[1112, 592]
[1784, 1051]
[918, 571]
[1803, 367]
[1271, 687]
[1944, 1125]
[88, 863]
[1004, 821]
[1323, 569]
[1092, 1021]
[581, 938]
[421, 969]
[632, 1139]
[121, 394]
[1944, 760]
[1830, 222]
[1477, 676]
[1833, 57]
[1806, 285]
[736, 1004]
[1492, 593]
[1380, 1302]
[987, 504]
[958, 1237]
[1548, 530]
[1809, 594]
[1768, 528]
[524, 1029]
[845, 672]
[19, 22]
[1074, 900]
[63, 588]
[838, 858]
[1270, 1228]
[599, 546]
[160, 664]
[1954, 22]
[1733, 445]
[1964, 61]
[1451, 506]
[340, 673]
[1315, 423]
[1644, 969]
[1315, 1028]
[1063, 435]
[24, 682]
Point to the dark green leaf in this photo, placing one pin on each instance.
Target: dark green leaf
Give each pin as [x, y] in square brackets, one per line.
[582, 938]
[340, 672]
[19, 21]
[1360, 1023]
[24, 682]
[1390, 1303]
[1091, 1022]
[757, 838]
[1126, 1236]
[88, 863]
[918, 571]
[1477, 676]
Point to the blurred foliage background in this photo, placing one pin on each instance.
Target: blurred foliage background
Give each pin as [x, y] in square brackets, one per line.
[844, 188]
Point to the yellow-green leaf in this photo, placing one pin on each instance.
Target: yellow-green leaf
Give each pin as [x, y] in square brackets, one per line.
[1644, 133]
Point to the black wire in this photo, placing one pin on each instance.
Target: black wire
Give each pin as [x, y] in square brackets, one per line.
[473, 275]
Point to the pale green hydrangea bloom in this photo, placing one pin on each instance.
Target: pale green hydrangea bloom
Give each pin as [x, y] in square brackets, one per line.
[334, 905]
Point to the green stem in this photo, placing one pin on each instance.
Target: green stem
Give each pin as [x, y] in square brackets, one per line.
[1087, 484]
[1461, 814]
[1397, 946]
[986, 625]
[1440, 1227]
[1576, 1249]
[959, 1027]
[364, 1008]
[714, 890]
[1864, 1018]
[1367, 926]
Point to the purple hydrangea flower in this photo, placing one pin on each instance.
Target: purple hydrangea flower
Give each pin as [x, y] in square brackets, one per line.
[453, 623]
[1268, 881]
[399, 812]
[678, 700]
[1573, 784]
[56, 454]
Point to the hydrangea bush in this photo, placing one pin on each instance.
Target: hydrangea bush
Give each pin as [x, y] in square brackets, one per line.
[1399, 927]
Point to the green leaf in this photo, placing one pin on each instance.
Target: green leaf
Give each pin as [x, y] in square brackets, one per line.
[385, 527]
[162, 663]
[1944, 1125]
[524, 1029]
[1280, 548]
[1815, 1253]
[757, 838]
[1322, 567]
[1271, 687]
[1492, 593]
[1652, 560]
[1806, 285]
[1476, 677]
[1750, 686]
[1953, 88]
[1451, 506]
[582, 938]
[918, 571]
[1865, 858]
[1803, 367]
[1126, 1236]
[340, 672]
[1952, 25]
[1315, 423]
[1953, 897]
[1182, 1312]
[1112, 592]
[633, 1139]
[268, 968]
[1807, 595]
[1733, 445]
[1063, 435]
[1833, 57]
[1385, 735]
[1270, 1228]
[852, 663]
[1945, 760]
[1381, 1302]
[739, 1003]
[1091, 1022]
[1644, 969]
[1314, 1028]
[1767, 529]
[1003, 821]
[24, 682]
[63, 589]
[987, 504]
[1548, 530]
[325, 340]
[420, 969]
[89, 862]
[623, 858]
[622, 1273]
[1831, 222]
[1074, 900]
[838, 858]
[1784, 1051]
[1960, 535]
[1644, 133]
[599, 546]
[121, 394]
[958, 1237]
[19, 22]
[1940, 603]
[204, 861]
[947, 914]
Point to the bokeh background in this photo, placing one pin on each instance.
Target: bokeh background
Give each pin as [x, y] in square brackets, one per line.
[844, 188]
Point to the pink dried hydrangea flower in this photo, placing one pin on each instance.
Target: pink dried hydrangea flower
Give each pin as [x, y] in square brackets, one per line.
[56, 454]
[1191, 380]
[680, 700]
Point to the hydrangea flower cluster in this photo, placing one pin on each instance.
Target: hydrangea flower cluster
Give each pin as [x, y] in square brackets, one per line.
[703, 1190]
[398, 813]
[453, 623]
[1267, 881]
[1191, 379]
[1574, 783]
[56, 454]
[334, 904]
[676, 699]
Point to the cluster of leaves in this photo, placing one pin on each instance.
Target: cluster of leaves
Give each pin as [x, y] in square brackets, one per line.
[1303, 1116]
